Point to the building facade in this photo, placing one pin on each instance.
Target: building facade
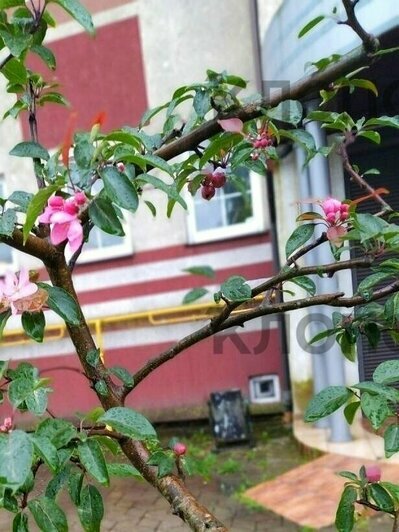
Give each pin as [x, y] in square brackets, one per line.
[132, 288]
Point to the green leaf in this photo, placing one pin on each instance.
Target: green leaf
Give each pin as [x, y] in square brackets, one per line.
[129, 423]
[62, 303]
[374, 136]
[93, 357]
[393, 490]
[349, 475]
[194, 295]
[36, 402]
[391, 310]
[383, 121]
[75, 482]
[201, 102]
[46, 450]
[101, 387]
[3, 321]
[20, 523]
[303, 138]
[15, 72]
[36, 207]
[7, 222]
[48, 515]
[391, 440]
[298, 238]
[235, 288]
[207, 271]
[373, 388]
[34, 324]
[310, 25]
[387, 372]
[122, 470]
[92, 458]
[170, 190]
[57, 483]
[123, 375]
[104, 216]
[21, 198]
[321, 335]
[16, 455]
[375, 408]
[119, 189]
[91, 509]
[306, 283]
[348, 345]
[45, 54]
[381, 497]
[350, 411]
[289, 111]
[58, 431]
[366, 285]
[165, 462]
[78, 12]
[326, 402]
[30, 149]
[345, 516]
[5, 4]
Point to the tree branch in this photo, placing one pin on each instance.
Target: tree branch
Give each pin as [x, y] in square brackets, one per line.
[343, 152]
[34, 246]
[182, 502]
[246, 315]
[370, 42]
[297, 91]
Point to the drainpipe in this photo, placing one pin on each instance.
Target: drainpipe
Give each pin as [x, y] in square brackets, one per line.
[319, 369]
[285, 366]
[319, 185]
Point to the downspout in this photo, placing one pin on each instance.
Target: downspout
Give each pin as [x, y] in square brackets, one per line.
[286, 385]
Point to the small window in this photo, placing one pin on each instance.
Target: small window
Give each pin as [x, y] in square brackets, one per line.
[264, 389]
[6, 252]
[229, 213]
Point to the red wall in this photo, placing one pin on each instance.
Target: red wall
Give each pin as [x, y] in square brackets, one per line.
[104, 73]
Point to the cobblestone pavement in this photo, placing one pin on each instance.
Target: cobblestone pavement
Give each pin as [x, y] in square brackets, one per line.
[135, 506]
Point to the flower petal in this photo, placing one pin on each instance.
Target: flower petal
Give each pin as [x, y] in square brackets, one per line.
[59, 233]
[75, 235]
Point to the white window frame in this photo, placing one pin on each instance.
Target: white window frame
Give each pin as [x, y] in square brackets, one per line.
[4, 266]
[257, 223]
[124, 249]
[254, 384]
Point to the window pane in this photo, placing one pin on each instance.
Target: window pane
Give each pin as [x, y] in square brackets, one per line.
[209, 215]
[238, 210]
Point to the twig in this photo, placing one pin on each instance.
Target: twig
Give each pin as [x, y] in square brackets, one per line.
[370, 42]
[343, 152]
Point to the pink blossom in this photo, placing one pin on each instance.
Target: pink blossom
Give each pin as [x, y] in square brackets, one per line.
[63, 216]
[336, 213]
[179, 449]
[16, 287]
[373, 473]
[232, 125]
[7, 425]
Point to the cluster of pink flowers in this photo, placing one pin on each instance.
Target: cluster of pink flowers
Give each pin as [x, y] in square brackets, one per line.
[336, 214]
[260, 141]
[63, 216]
[6, 426]
[214, 178]
[15, 289]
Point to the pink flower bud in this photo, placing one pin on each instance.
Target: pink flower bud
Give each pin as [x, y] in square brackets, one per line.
[233, 125]
[56, 202]
[120, 167]
[7, 425]
[373, 473]
[208, 191]
[255, 155]
[179, 449]
[80, 198]
[264, 143]
[331, 217]
[70, 207]
[218, 178]
[331, 205]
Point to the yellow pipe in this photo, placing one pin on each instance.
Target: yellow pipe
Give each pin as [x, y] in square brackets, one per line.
[183, 314]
